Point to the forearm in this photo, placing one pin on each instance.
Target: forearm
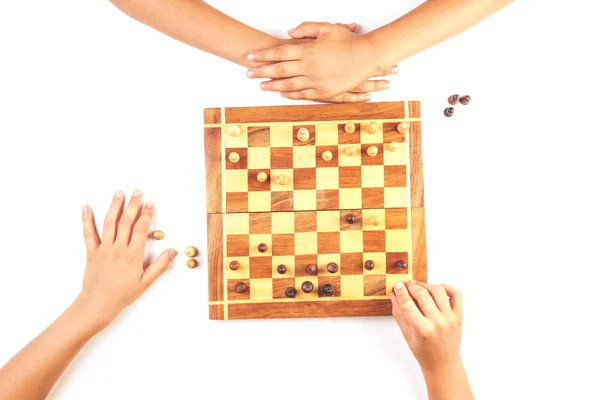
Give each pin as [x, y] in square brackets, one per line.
[449, 383]
[32, 372]
[432, 22]
[198, 24]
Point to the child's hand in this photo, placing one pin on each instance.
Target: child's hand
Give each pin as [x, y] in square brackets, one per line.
[334, 67]
[430, 317]
[115, 273]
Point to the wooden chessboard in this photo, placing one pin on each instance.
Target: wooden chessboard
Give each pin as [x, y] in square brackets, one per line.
[303, 219]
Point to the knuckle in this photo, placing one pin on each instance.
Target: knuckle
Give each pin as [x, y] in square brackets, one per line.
[346, 98]
[439, 290]
[280, 69]
[301, 95]
[441, 325]
[427, 332]
[289, 85]
[279, 52]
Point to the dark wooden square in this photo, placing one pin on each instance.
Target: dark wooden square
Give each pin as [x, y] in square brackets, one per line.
[259, 136]
[330, 280]
[238, 245]
[391, 259]
[279, 286]
[373, 198]
[328, 199]
[301, 261]
[282, 201]
[396, 218]
[305, 178]
[351, 264]
[242, 163]
[328, 242]
[367, 159]
[311, 139]
[391, 134]
[394, 176]
[319, 156]
[232, 294]
[282, 158]
[374, 285]
[350, 177]
[305, 221]
[254, 185]
[236, 202]
[373, 241]
[348, 138]
[260, 223]
[283, 244]
[345, 225]
[261, 267]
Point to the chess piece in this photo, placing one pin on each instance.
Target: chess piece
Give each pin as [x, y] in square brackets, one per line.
[262, 177]
[373, 127]
[312, 269]
[303, 135]
[350, 151]
[234, 157]
[464, 100]
[376, 220]
[327, 156]
[235, 130]
[372, 151]
[240, 287]
[307, 287]
[234, 265]
[452, 100]
[349, 127]
[350, 219]
[282, 180]
[158, 235]
[449, 111]
[403, 127]
[400, 264]
[290, 292]
[369, 265]
[393, 146]
[328, 290]
[190, 251]
[281, 269]
[191, 263]
[262, 247]
[332, 267]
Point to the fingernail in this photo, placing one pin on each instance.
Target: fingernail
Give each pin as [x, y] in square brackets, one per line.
[399, 285]
[118, 194]
[352, 24]
[150, 204]
[292, 30]
[85, 210]
[250, 74]
[387, 85]
[395, 70]
[263, 86]
[367, 97]
[136, 193]
[251, 56]
[172, 253]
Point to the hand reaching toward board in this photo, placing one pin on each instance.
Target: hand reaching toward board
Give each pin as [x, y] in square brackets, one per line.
[430, 317]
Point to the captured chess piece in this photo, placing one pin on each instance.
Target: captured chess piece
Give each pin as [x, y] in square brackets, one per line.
[282, 180]
[262, 177]
[303, 135]
[350, 151]
[307, 287]
[290, 292]
[234, 157]
[393, 146]
[332, 268]
[349, 127]
[327, 155]
[190, 251]
[449, 111]
[262, 247]
[452, 100]
[328, 290]
[369, 265]
[464, 100]
[281, 269]
[158, 235]
[234, 265]
[376, 220]
[403, 127]
[372, 151]
[312, 269]
[191, 263]
[235, 130]
[240, 287]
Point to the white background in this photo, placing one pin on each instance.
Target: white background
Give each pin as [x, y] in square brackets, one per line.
[92, 101]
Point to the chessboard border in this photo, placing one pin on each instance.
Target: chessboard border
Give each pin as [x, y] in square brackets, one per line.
[215, 118]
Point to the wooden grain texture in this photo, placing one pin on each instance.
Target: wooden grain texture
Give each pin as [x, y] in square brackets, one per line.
[419, 247]
[212, 115]
[414, 109]
[212, 151]
[332, 112]
[312, 309]
[215, 257]
[416, 166]
[216, 311]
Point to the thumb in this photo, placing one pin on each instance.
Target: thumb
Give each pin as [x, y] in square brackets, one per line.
[310, 30]
[352, 27]
[159, 266]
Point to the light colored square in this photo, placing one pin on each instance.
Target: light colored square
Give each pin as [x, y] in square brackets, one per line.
[304, 157]
[394, 197]
[396, 241]
[282, 222]
[236, 180]
[351, 242]
[397, 157]
[328, 178]
[305, 200]
[367, 137]
[326, 134]
[243, 272]
[369, 218]
[390, 281]
[352, 286]
[288, 261]
[259, 158]
[289, 183]
[372, 176]
[259, 201]
[305, 243]
[350, 198]
[255, 240]
[235, 141]
[345, 160]
[261, 289]
[379, 260]
[304, 296]
[281, 135]
[328, 221]
[237, 223]
[324, 259]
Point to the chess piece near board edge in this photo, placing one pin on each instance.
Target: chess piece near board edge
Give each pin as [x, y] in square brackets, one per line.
[240, 287]
[401, 264]
[328, 290]
[349, 127]
[235, 130]
[234, 157]
[307, 287]
[290, 292]
[303, 135]
[393, 146]
[403, 127]
[234, 265]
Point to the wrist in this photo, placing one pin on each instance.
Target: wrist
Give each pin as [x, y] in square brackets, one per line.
[87, 316]
[383, 52]
[443, 371]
